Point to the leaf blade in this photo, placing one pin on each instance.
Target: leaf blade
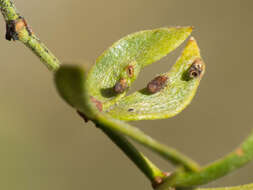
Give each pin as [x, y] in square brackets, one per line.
[139, 50]
[168, 102]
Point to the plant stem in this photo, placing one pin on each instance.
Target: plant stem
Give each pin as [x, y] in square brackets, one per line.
[25, 35]
[18, 29]
[168, 153]
[143, 163]
[236, 159]
[242, 187]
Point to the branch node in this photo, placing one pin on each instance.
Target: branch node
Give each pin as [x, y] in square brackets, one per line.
[14, 27]
[158, 180]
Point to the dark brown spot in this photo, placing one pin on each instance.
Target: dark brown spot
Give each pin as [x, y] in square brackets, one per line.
[157, 84]
[46, 50]
[196, 69]
[157, 181]
[130, 71]
[98, 104]
[11, 33]
[131, 109]
[120, 86]
[28, 28]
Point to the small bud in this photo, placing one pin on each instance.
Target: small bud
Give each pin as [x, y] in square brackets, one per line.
[20, 24]
[157, 84]
[120, 86]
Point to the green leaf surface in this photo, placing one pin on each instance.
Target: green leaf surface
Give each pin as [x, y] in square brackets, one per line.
[135, 50]
[169, 101]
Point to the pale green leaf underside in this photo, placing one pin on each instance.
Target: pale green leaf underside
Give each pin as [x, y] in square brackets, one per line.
[172, 99]
[138, 49]
[70, 83]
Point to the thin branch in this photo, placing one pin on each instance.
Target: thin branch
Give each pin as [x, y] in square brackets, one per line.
[236, 159]
[168, 153]
[18, 29]
[151, 171]
[242, 187]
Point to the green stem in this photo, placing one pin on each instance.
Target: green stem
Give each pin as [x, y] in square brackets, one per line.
[236, 159]
[8, 10]
[242, 187]
[143, 163]
[24, 34]
[168, 153]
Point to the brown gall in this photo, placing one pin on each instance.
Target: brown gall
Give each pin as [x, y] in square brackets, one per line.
[157, 84]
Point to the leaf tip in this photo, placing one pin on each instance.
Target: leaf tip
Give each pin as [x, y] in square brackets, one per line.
[198, 64]
[192, 46]
[189, 28]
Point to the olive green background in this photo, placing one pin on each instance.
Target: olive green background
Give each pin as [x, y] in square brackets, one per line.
[45, 145]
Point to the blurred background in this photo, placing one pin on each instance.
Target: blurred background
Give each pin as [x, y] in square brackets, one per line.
[45, 145]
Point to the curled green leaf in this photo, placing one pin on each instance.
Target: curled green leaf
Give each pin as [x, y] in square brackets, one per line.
[166, 95]
[123, 61]
[70, 82]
